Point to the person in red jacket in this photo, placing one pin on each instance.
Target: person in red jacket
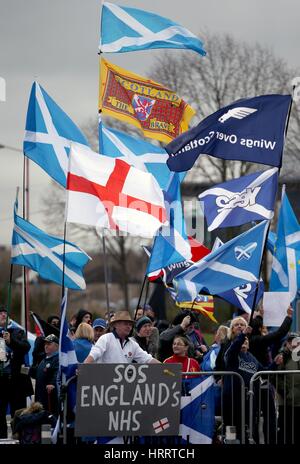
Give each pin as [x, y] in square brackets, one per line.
[180, 348]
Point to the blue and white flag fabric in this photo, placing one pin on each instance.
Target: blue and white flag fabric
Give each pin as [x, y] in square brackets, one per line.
[136, 152]
[271, 240]
[171, 245]
[129, 29]
[233, 264]
[238, 201]
[67, 355]
[33, 248]
[251, 129]
[49, 133]
[67, 364]
[243, 297]
[197, 415]
[285, 274]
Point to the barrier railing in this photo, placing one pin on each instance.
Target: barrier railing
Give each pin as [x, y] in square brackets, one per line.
[268, 399]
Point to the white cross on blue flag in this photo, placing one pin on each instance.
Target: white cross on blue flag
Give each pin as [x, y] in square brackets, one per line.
[49, 133]
[233, 264]
[33, 248]
[238, 201]
[129, 29]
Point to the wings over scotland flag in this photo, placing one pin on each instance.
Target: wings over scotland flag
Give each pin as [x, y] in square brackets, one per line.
[197, 414]
[108, 192]
[233, 264]
[49, 133]
[129, 29]
[171, 245]
[158, 111]
[285, 274]
[136, 152]
[238, 201]
[33, 248]
[251, 129]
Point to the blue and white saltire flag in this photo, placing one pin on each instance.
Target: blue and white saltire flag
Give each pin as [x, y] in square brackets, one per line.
[67, 362]
[171, 245]
[271, 240]
[251, 129]
[129, 29]
[49, 133]
[197, 415]
[33, 248]
[136, 152]
[285, 274]
[243, 297]
[67, 355]
[238, 201]
[233, 264]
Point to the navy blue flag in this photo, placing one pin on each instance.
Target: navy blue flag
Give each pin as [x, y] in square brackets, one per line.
[238, 201]
[250, 129]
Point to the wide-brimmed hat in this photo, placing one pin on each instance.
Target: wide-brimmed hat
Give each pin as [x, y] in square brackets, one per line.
[122, 316]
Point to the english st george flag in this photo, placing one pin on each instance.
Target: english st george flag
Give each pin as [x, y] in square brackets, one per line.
[108, 192]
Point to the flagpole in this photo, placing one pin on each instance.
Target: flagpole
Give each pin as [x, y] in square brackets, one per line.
[140, 297]
[105, 270]
[25, 289]
[146, 294]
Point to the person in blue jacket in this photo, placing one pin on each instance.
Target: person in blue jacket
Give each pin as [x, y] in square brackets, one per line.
[83, 341]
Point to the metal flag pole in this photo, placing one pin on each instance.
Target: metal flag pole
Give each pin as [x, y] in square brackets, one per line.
[25, 282]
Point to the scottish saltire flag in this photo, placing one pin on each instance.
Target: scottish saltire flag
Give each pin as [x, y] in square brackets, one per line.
[233, 264]
[129, 29]
[238, 201]
[243, 297]
[67, 354]
[285, 274]
[136, 152]
[197, 415]
[171, 245]
[251, 129]
[49, 133]
[271, 240]
[33, 248]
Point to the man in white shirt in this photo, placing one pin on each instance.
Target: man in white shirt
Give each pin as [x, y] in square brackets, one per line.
[117, 346]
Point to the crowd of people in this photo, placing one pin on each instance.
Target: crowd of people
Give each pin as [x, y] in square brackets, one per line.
[124, 338]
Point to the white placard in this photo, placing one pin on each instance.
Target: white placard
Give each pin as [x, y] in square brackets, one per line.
[275, 306]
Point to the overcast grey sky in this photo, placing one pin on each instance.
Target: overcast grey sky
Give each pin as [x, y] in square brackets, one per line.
[56, 43]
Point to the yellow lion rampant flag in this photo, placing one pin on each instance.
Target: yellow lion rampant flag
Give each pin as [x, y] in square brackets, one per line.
[156, 110]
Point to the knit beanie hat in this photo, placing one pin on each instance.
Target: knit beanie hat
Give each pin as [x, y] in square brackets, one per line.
[142, 321]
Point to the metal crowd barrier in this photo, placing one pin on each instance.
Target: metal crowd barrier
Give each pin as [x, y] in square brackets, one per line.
[272, 404]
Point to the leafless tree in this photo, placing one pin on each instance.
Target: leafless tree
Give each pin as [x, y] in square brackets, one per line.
[230, 71]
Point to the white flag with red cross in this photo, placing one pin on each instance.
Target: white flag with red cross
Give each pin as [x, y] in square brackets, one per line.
[108, 192]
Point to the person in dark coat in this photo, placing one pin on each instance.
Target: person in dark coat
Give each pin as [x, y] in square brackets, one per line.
[14, 386]
[181, 323]
[260, 346]
[46, 376]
